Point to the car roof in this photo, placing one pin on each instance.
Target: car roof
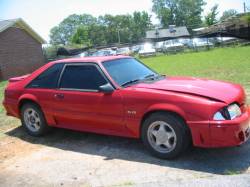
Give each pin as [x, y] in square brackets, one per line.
[92, 59]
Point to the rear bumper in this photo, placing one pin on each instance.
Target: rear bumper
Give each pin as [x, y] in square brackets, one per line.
[215, 134]
[11, 108]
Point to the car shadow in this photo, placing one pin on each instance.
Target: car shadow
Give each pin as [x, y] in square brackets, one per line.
[215, 161]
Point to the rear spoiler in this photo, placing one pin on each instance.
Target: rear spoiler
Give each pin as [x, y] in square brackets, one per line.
[16, 79]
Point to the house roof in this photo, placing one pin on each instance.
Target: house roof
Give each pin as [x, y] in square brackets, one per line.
[235, 26]
[20, 23]
[167, 33]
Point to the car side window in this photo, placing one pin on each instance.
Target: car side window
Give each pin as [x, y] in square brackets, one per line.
[48, 79]
[82, 77]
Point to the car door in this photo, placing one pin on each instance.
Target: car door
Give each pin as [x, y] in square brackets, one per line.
[79, 105]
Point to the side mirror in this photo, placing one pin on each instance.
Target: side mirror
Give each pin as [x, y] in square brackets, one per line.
[106, 88]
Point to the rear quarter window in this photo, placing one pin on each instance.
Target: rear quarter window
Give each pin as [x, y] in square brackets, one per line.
[47, 79]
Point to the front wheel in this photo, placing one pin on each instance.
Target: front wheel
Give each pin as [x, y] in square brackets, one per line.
[165, 135]
[33, 120]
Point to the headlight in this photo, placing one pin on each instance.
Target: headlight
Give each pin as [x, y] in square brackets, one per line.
[234, 111]
[228, 113]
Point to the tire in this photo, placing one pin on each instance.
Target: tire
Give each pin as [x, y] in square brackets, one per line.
[165, 135]
[33, 120]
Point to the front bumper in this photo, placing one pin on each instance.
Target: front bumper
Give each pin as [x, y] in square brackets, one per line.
[230, 132]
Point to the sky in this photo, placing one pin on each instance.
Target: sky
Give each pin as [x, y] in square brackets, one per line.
[42, 15]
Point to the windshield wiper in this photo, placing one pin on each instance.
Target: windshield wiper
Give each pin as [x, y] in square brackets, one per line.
[150, 76]
[130, 82]
[153, 76]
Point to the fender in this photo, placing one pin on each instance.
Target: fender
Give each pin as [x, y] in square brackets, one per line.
[166, 107]
[49, 118]
[24, 97]
[29, 97]
[134, 126]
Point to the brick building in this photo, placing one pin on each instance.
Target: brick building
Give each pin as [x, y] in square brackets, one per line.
[20, 49]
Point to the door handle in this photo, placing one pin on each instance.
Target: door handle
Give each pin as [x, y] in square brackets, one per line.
[59, 96]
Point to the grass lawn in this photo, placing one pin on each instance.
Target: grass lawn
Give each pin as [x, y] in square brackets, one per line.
[5, 121]
[229, 64]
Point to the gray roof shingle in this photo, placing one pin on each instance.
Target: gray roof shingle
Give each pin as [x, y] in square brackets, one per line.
[166, 33]
[5, 24]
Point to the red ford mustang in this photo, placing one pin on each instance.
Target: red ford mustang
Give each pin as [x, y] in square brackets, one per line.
[121, 96]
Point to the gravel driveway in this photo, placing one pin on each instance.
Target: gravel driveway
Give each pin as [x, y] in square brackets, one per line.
[68, 158]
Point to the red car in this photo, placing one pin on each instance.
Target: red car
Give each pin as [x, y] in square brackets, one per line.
[120, 96]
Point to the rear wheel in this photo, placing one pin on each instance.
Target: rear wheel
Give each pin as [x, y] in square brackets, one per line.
[165, 135]
[33, 119]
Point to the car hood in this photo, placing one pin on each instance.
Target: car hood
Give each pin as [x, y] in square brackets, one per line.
[217, 90]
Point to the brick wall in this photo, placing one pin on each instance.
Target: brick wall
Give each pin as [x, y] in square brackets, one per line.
[19, 53]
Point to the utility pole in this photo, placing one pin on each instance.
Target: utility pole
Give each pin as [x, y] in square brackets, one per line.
[244, 4]
[118, 33]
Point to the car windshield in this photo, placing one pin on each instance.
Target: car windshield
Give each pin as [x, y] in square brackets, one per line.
[127, 71]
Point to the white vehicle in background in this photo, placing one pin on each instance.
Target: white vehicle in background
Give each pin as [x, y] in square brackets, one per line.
[223, 40]
[135, 48]
[185, 41]
[82, 54]
[104, 52]
[159, 46]
[172, 46]
[201, 43]
[123, 51]
[147, 50]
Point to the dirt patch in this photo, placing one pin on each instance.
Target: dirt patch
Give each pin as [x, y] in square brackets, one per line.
[13, 148]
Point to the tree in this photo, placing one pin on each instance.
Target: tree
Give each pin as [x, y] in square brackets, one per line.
[50, 52]
[117, 25]
[88, 30]
[227, 14]
[246, 18]
[113, 25]
[97, 34]
[56, 36]
[62, 33]
[210, 18]
[179, 12]
[140, 24]
[81, 36]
